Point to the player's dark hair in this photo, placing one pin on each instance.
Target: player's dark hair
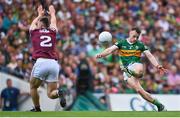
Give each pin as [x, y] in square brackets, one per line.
[45, 21]
[137, 30]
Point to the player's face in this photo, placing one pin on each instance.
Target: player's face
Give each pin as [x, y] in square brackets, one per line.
[39, 24]
[133, 36]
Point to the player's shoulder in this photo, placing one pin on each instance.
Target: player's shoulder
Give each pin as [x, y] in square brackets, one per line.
[142, 45]
[120, 41]
[33, 30]
[140, 42]
[54, 29]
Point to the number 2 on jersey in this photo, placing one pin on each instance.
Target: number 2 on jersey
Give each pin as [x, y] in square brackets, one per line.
[46, 42]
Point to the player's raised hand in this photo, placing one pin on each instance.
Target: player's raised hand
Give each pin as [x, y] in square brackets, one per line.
[51, 9]
[161, 70]
[40, 10]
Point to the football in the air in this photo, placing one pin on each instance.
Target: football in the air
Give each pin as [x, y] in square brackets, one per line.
[105, 37]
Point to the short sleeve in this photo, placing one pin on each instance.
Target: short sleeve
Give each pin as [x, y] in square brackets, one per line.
[53, 28]
[118, 44]
[144, 48]
[31, 32]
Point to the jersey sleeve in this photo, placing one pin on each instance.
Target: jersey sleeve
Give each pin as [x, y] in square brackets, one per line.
[54, 28]
[144, 47]
[118, 44]
[32, 31]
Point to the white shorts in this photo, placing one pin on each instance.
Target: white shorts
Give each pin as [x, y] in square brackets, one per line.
[46, 69]
[131, 67]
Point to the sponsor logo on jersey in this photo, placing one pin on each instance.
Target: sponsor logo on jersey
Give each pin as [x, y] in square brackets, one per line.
[44, 31]
[130, 53]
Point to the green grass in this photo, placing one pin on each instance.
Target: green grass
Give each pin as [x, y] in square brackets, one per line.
[91, 114]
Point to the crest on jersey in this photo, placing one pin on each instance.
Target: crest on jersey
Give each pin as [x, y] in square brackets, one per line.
[130, 47]
[123, 46]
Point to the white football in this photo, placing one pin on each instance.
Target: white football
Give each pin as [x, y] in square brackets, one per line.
[105, 36]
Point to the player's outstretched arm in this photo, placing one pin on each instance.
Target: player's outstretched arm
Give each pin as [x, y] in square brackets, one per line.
[153, 60]
[107, 51]
[34, 22]
[52, 13]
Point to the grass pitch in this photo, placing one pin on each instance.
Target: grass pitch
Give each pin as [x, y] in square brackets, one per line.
[92, 114]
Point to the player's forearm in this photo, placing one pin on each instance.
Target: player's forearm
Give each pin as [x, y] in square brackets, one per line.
[53, 18]
[153, 60]
[34, 22]
[106, 52]
[36, 19]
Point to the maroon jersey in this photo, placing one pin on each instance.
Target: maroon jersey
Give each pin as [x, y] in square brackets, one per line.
[44, 43]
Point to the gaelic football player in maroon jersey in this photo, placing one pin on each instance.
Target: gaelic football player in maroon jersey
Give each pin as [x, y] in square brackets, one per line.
[46, 68]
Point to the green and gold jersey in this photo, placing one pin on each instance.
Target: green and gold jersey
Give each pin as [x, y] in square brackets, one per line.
[130, 53]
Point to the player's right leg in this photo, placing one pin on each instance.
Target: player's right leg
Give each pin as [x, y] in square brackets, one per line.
[37, 75]
[34, 85]
[134, 83]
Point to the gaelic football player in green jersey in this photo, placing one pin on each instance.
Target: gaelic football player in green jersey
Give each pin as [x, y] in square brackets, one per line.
[130, 51]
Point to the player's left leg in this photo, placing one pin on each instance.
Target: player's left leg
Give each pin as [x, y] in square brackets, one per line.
[52, 78]
[134, 83]
[54, 93]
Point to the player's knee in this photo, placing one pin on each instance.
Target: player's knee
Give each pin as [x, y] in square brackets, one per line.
[34, 83]
[137, 68]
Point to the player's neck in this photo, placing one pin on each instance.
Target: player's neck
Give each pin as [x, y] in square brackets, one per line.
[43, 27]
[128, 40]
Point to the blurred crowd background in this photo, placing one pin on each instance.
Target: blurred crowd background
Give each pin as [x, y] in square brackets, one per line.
[79, 23]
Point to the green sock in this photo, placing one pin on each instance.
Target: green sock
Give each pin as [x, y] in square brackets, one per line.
[156, 102]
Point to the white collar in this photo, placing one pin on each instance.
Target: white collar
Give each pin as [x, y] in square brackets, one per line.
[129, 41]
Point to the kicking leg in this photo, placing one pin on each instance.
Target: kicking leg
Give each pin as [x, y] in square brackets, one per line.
[34, 85]
[134, 83]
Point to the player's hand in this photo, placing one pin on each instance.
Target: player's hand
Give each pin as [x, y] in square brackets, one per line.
[99, 56]
[161, 69]
[51, 9]
[40, 11]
